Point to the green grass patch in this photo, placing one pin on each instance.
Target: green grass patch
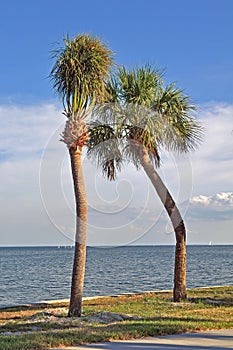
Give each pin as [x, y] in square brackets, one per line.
[115, 318]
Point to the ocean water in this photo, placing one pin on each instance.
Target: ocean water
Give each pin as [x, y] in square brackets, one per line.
[33, 274]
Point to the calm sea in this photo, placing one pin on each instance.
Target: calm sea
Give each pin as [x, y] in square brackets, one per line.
[40, 273]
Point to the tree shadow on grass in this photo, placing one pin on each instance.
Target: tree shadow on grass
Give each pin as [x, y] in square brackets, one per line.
[120, 330]
[150, 326]
[197, 341]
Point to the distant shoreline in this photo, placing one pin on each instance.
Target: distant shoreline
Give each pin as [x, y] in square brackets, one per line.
[119, 246]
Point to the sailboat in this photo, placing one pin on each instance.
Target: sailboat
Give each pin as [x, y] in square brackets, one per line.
[210, 242]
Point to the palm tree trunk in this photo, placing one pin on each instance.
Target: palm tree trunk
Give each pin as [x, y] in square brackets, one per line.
[75, 308]
[179, 291]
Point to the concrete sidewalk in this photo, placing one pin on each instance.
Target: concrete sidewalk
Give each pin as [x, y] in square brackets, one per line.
[217, 340]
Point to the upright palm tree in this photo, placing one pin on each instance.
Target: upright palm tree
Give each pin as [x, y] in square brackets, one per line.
[147, 115]
[79, 76]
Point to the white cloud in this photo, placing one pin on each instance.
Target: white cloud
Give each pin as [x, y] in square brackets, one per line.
[28, 132]
[216, 207]
[203, 200]
[25, 130]
[24, 135]
[218, 201]
[213, 163]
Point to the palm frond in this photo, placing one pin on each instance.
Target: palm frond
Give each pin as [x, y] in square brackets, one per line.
[180, 131]
[104, 149]
[140, 85]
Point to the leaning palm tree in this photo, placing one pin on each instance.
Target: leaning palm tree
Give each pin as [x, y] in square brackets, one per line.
[145, 115]
[79, 74]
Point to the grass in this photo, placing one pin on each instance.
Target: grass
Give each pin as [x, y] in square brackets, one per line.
[46, 325]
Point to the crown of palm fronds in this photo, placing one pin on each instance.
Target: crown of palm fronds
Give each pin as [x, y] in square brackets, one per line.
[80, 71]
[143, 113]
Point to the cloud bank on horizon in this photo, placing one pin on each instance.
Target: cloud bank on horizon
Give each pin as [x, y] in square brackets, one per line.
[215, 208]
[220, 201]
[29, 143]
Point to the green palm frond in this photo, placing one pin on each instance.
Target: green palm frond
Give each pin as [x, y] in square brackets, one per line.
[180, 131]
[99, 133]
[139, 85]
[104, 148]
[112, 88]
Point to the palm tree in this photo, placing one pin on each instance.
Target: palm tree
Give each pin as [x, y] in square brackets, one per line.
[79, 74]
[147, 116]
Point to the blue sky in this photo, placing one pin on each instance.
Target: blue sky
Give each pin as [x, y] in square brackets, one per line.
[192, 40]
